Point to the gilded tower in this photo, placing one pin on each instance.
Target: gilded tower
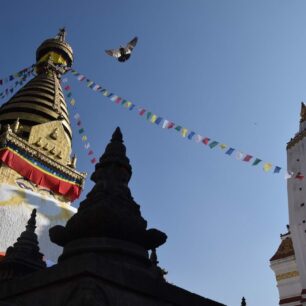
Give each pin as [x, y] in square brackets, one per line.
[36, 167]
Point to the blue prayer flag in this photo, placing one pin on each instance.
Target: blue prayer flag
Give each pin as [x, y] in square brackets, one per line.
[230, 151]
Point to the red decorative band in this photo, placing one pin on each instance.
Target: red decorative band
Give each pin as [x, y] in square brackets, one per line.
[37, 176]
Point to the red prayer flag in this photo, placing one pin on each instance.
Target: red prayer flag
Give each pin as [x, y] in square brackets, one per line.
[170, 125]
[247, 158]
[90, 152]
[67, 87]
[142, 112]
[206, 140]
[94, 160]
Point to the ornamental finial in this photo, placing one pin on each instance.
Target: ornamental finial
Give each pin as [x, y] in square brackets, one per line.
[61, 34]
[303, 112]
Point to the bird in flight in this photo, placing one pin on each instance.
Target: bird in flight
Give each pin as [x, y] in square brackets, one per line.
[123, 53]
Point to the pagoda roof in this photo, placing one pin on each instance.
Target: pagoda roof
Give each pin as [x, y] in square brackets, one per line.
[284, 250]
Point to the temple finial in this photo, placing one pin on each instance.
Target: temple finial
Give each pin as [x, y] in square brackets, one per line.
[61, 34]
[117, 135]
[243, 302]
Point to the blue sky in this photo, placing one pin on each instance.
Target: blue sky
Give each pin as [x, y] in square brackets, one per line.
[230, 70]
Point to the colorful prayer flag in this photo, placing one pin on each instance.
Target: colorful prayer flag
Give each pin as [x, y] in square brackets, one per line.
[178, 128]
[87, 145]
[149, 115]
[90, 152]
[230, 151]
[267, 167]
[79, 123]
[113, 98]
[84, 138]
[184, 132]
[277, 169]
[67, 87]
[65, 80]
[223, 146]
[247, 158]
[191, 134]
[158, 120]
[93, 161]
[81, 131]
[256, 162]
[153, 118]
[239, 155]
[288, 175]
[118, 100]
[72, 102]
[299, 176]
[213, 144]
[198, 138]
[206, 140]
[77, 116]
[142, 111]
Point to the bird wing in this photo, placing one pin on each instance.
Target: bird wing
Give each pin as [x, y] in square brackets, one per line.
[131, 45]
[113, 52]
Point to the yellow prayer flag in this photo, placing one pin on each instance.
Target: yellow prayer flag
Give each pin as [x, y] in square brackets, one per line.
[72, 102]
[84, 138]
[184, 132]
[223, 146]
[153, 118]
[128, 104]
[105, 93]
[267, 167]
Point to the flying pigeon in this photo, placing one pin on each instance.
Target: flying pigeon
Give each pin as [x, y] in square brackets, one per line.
[123, 53]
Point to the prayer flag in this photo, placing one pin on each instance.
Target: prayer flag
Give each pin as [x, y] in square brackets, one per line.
[128, 104]
[132, 106]
[113, 98]
[105, 93]
[11, 78]
[118, 100]
[87, 145]
[79, 123]
[90, 152]
[230, 151]
[77, 116]
[247, 158]
[256, 162]
[191, 134]
[223, 146]
[178, 128]
[65, 80]
[213, 144]
[72, 102]
[67, 87]
[81, 77]
[90, 83]
[198, 138]
[165, 123]
[153, 118]
[206, 140]
[158, 120]
[239, 155]
[1, 82]
[184, 132]
[277, 169]
[149, 115]
[81, 131]
[267, 167]
[96, 87]
[93, 161]
[142, 111]
[73, 71]
[84, 138]
[69, 94]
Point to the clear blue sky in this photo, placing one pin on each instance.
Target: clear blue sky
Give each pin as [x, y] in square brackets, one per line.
[230, 70]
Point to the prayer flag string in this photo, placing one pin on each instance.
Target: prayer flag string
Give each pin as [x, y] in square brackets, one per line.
[184, 132]
[79, 122]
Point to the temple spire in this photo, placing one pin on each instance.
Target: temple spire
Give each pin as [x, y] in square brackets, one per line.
[23, 257]
[61, 34]
[109, 207]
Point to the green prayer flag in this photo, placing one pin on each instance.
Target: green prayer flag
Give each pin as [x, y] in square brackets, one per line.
[178, 128]
[149, 115]
[256, 162]
[213, 144]
[81, 131]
